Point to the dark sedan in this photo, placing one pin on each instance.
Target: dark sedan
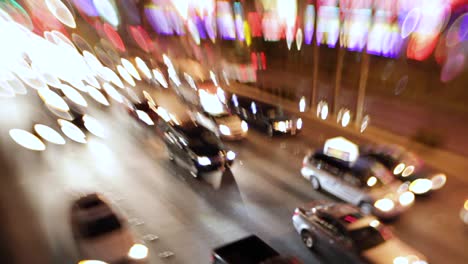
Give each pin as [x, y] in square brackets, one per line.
[267, 118]
[196, 148]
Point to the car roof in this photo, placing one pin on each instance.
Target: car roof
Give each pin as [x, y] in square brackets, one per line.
[247, 250]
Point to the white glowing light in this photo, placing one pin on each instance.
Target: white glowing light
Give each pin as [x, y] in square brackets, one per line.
[230, 155]
[420, 186]
[6, 90]
[384, 205]
[26, 139]
[299, 123]
[49, 134]
[71, 131]
[224, 130]
[399, 168]
[14, 83]
[364, 123]
[438, 181]
[346, 118]
[130, 68]
[138, 251]
[299, 38]
[374, 223]
[143, 67]
[73, 95]
[107, 11]
[213, 78]
[53, 100]
[302, 104]
[125, 75]
[97, 95]
[244, 126]
[160, 78]
[93, 81]
[61, 12]
[94, 126]
[400, 260]
[371, 181]
[406, 198]
[322, 110]
[92, 62]
[111, 76]
[47, 77]
[408, 171]
[92, 262]
[143, 116]
[410, 22]
[110, 90]
[30, 77]
[60, 39]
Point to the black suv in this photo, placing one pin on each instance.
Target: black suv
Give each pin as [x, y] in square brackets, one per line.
[196, 148]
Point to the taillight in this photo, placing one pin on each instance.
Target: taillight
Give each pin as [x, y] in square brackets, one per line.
[297, 211]
[304, 162]
[213, 258]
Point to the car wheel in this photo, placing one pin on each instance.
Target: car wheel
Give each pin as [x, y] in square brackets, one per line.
[307, 239]
[366, 208]
[315, 183]
[270, 131]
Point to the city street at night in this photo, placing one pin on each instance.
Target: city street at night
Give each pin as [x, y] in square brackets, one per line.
[233, 132]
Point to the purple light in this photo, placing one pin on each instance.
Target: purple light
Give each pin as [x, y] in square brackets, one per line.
[157, 19]
[87, 7]
[309, 24]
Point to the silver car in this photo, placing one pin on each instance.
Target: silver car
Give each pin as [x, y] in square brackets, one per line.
[341, 233]
[364, 182]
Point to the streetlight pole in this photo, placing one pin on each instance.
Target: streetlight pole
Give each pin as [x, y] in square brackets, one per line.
[362, 87]
[339, 73]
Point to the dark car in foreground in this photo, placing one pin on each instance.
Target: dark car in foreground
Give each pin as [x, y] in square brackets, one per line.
[407, 167]
[249, 250]
[343, 235]
[196, 148]
[101, 234]
[270, 119]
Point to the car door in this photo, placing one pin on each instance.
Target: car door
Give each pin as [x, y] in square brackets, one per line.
[351, 188]
[329, 175]
[328, 239]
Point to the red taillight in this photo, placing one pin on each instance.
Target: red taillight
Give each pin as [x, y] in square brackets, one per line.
[297, 211]
[213, 258]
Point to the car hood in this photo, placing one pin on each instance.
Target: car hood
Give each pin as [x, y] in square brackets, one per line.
[386, 252]
[206, 150]
[232, 121]
[390, 190]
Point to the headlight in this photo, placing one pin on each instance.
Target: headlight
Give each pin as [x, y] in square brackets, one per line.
[204, 161]
[224, 130]
[406, 198]
[408, 171]
[384, 205]
[244, 126]
[412, 259]
[420, 186]
[280, 126]
[91, 261]
[438, 181]
[399, 168]
[230, 155]
[138, 251]
[299, 123]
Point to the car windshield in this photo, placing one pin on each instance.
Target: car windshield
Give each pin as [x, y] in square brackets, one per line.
[199, 137]
[366, 237]
[100, 226]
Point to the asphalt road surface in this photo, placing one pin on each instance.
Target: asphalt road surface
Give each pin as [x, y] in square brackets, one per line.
[174, 213]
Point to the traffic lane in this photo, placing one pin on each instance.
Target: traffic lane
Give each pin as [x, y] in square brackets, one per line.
[421, 226]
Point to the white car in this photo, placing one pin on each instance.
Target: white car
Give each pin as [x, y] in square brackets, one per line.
[100, 234]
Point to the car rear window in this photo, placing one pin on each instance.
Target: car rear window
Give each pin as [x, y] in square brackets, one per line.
[250, 250]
